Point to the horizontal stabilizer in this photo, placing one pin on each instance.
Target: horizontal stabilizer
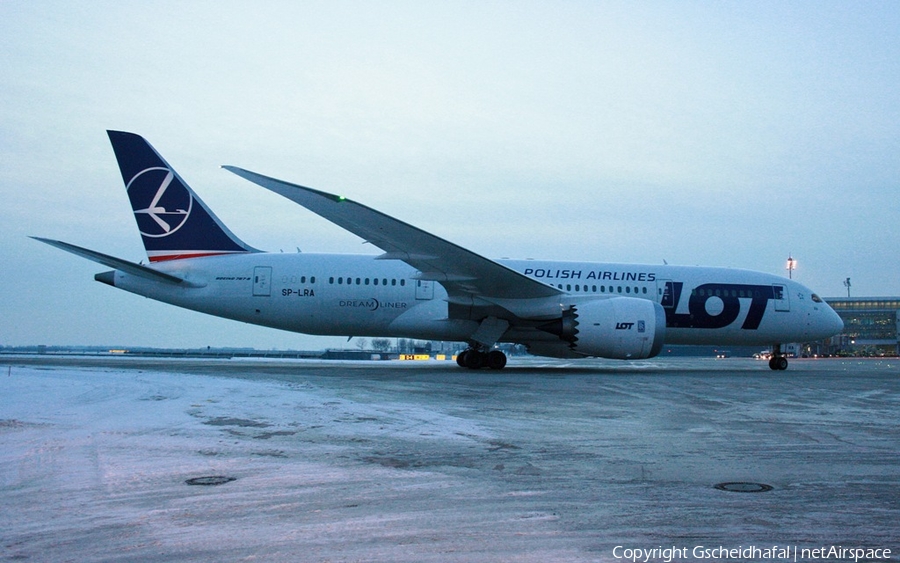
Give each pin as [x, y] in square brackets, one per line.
[113, 262]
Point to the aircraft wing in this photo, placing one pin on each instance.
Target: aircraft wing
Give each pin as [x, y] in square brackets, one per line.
[463, 273]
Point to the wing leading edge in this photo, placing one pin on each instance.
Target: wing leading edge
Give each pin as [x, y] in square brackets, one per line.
[467, 276]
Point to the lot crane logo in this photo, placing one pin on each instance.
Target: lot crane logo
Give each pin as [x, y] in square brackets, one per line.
[161, 203]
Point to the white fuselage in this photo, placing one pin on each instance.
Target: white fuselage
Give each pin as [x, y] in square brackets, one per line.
[358, 295]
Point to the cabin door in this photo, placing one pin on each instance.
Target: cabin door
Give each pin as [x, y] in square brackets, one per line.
[424, 289]
[781, 298]
[262, 281]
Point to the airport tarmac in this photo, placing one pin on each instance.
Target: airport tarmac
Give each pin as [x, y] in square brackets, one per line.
[423, 461]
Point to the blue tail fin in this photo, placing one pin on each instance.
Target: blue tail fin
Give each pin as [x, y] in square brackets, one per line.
[174, 223]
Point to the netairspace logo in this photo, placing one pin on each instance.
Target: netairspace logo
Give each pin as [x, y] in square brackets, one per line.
[741, 553]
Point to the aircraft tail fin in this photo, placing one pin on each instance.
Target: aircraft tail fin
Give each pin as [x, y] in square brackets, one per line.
[174, 222]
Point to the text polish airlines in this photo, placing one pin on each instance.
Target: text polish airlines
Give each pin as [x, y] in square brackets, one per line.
[425, 287]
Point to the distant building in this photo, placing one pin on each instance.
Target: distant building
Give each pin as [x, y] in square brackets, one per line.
[871, 327]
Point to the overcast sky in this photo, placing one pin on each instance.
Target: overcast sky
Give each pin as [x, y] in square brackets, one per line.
[712, 133]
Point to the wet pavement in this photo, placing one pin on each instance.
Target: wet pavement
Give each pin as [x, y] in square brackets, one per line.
[423, 461]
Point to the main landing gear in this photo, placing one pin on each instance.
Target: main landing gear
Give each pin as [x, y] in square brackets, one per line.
[476, 359]
[778, 362]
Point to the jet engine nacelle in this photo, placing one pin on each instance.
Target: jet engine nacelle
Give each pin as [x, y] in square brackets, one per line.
[621, 328]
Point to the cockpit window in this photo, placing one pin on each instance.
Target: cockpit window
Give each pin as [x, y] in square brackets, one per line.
[816, 298]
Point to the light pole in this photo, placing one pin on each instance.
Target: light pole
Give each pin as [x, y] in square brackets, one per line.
[791, 265]
[847, 285]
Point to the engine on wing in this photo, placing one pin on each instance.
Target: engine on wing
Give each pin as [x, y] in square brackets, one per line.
[620, 328]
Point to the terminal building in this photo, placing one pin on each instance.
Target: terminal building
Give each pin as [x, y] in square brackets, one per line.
[871, 327]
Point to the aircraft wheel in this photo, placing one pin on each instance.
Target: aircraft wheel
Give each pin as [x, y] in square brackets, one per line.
[474, 359]
[496, 359]
[778, 363]
[461, 358]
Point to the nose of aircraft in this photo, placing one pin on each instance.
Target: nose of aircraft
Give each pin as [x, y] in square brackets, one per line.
[827, 323]
[834, 322]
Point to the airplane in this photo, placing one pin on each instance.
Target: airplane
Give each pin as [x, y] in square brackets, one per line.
[425, 287]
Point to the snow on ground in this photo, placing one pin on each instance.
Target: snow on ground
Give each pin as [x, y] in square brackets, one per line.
[389, 462]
